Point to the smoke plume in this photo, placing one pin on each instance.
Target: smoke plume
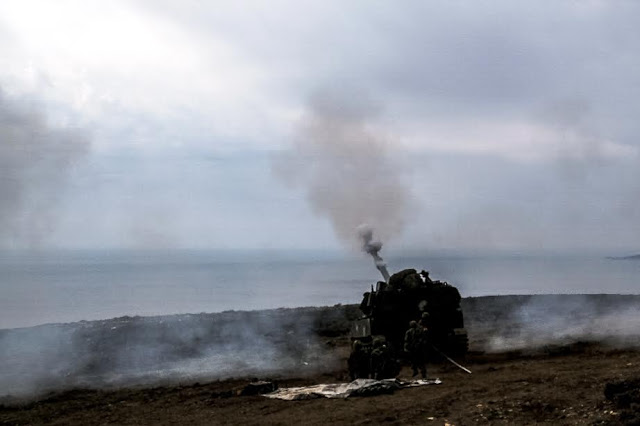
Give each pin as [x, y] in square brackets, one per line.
[508, 323]
[365, 233]
[34, 162]
[164, 350]
[346, 168]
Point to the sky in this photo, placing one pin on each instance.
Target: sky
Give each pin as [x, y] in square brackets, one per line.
[446, 125]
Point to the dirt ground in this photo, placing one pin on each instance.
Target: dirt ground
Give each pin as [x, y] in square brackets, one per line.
[548, 384]
[563, 388]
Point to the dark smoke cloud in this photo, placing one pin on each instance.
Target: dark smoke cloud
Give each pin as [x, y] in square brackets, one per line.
[35, 159]
[372, 247]
[346, 167]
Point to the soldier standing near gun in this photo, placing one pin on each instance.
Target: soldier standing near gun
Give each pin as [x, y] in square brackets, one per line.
[415, 345]
[359, 361]
[380, 359]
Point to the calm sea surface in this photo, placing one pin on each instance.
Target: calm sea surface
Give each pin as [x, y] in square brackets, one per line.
[73, 286]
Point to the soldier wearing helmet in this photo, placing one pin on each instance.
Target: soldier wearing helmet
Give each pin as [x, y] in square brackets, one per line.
[383, 365]
[415, 345]
[360, 360]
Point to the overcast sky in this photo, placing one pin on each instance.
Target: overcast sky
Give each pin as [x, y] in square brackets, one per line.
[472, 125]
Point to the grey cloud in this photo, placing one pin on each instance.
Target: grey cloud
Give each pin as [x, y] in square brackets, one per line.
[569, 67]
[478, 203]
[430, 60]
[35, 159]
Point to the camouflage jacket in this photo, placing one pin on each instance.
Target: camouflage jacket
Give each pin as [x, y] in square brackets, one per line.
[415, 339]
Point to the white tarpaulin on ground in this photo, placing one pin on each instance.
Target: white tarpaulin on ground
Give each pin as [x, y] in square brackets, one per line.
[359, 387]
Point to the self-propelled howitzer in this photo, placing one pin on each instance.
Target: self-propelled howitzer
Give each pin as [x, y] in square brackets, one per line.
[406, 296]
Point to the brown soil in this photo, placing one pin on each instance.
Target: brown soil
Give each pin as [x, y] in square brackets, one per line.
[559, 384]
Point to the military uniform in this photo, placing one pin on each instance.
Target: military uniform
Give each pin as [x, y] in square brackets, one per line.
[425, 322]
[415, 345]
[360, 361]
[383, 366]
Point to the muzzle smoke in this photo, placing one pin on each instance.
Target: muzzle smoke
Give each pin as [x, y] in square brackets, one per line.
[346, 168]
[373, 248]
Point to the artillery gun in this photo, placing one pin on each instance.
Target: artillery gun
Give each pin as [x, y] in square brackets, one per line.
[405, 297]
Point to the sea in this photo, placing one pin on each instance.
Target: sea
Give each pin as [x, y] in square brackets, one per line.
[68, 286]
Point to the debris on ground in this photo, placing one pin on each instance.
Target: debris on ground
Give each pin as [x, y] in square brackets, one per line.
[359, 387]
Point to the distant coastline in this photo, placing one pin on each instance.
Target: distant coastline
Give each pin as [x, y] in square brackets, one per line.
[632, 257]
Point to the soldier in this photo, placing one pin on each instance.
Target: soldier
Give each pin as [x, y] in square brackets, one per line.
[425, 277]
[382, 364]
[415, 344]
[425, 321]
[359, 361]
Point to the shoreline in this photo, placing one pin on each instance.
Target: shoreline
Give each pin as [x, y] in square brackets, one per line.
[468, 299]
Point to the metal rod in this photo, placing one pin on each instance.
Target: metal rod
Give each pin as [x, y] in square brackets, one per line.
[450, 360]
